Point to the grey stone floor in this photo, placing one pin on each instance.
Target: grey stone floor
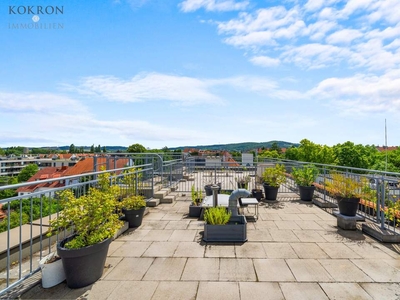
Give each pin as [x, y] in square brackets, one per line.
[294, 251]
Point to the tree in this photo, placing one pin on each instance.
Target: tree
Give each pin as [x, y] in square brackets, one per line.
[27, 172]
[72, 148]
[2, 152]
[275, 147]
[92, 149]
[104, 149]
[136, 148]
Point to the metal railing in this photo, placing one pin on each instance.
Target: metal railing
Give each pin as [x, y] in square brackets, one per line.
[24, 239]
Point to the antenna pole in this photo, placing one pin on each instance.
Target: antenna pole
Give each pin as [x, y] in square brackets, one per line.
[386, 147]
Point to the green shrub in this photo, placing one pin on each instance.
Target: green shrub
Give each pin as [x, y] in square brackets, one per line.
[274, 176]
[217, 215]
[305, 176]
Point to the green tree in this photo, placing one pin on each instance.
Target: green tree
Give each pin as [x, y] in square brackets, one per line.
[92, 149]
[275, 147]
[104, 149]
[136, 148]
[2, 152]
[357, 156]
[72, 148]
[27, 172]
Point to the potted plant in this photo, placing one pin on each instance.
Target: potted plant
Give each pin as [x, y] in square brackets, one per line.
[257, 193]
[243, 182]
[346, 190]
[221, 226]
[52, 270]
[304, 177]
[195, 208]
[133, 208]
[94, 222]
[273, 177]
[208, 189]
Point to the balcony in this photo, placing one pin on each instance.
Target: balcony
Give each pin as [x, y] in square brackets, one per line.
[294, 251]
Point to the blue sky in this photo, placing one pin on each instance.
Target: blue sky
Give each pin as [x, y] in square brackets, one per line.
[196, 72]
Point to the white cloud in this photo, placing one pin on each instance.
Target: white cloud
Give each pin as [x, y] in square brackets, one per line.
[149, 86]
[362, 93]
[315, 55]
[265, 61]
[213, 5]
[385, 10]
[344, 36]
[41, 102]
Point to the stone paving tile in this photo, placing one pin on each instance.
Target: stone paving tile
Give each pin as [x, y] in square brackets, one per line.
[114, 245]
[387, 291]
[330, 225]
[378, 270]
[102, 291]
[308, 225]
[131, 268]
[345, 291]
[286, 225]
[158, 235]
[220, 251]
[57, 292]
[279, 250]
[302, 291]
[308, 270]
[261, 235]
[236, 270]
[309, 236]
[134, 235]
[201, 269]
[179, 235]
[189, 249]
[172, 217]
[165, 269]
[308, 250]
[309, 217]
[393, 262]
[194, 224]
[131, 249]
[250, 250]
[327, 217]
[338, 250]
[289, 217]
[161, 249]
[260, 291]
[343, 270]
[393, 250]
[265, 225]
[269, 217]
[128, 290]
[175, 291]
[272, 270]
[218, 290]
[153, 225]
[154, 216]
[182, 224]
[110, 264]
[368, 250]
[279, 235]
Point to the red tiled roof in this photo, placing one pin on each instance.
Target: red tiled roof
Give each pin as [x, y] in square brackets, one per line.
[45, 173]
[383, 148]
[86, 165]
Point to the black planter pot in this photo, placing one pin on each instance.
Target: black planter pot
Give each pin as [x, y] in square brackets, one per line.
[194, 211]
[271, 192]
[306, 192]
[83, 266]
[257, 193]
[134, 217]
[348, 206]
[209, 190]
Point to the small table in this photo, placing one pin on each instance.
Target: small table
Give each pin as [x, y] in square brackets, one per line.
[251, 201]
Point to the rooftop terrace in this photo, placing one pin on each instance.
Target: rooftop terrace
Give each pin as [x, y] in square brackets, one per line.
[294, 251]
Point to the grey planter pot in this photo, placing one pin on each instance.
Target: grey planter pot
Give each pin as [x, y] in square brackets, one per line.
[234, 232]
[194, 211]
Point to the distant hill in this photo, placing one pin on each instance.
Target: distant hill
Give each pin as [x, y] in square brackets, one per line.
[241, 147]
